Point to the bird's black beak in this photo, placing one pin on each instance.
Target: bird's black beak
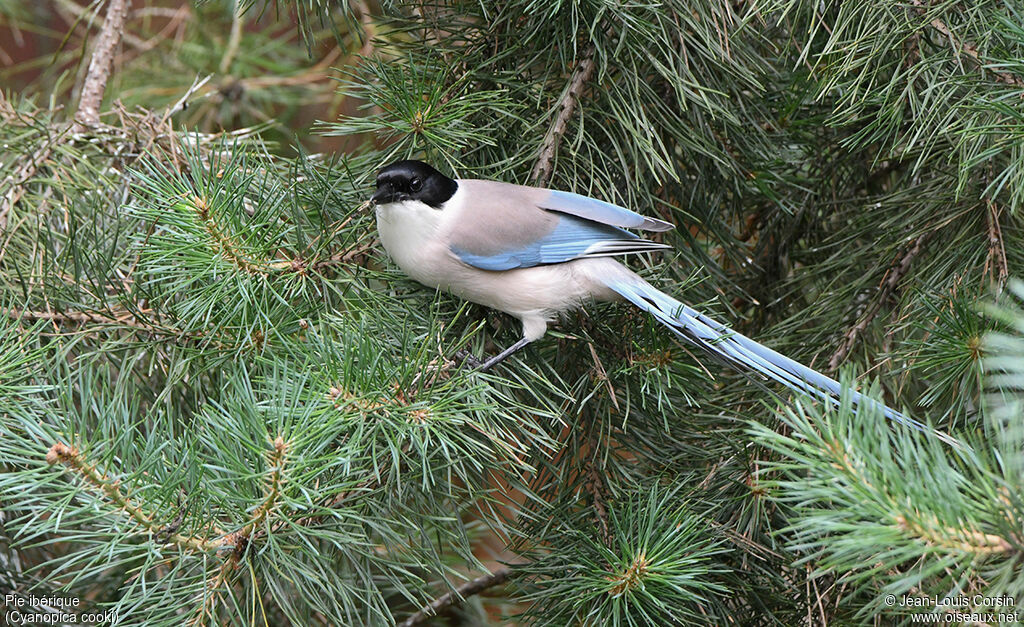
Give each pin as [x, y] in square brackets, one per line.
[384, 194]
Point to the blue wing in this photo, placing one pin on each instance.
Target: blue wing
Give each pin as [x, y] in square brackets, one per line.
[508, 226]
[571, 238]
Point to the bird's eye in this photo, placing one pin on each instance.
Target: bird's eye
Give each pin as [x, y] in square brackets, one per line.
[415, 185]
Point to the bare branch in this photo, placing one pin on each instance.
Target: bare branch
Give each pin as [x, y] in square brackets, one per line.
[889, 284]
[995, 262]
[101, 62]
[467, 589]
[566, 107]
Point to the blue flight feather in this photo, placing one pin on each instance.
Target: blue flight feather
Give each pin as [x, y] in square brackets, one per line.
[720, 340]
[600, 211]
[571, 238]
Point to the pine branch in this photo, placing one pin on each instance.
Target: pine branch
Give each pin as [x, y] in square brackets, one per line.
[125, 318]
[111, 488]
[565, 108]
[466, 590]
[101, 63]
[243, 538]
[275, 464]
[388, 442]
[112, 319]
[223, 243]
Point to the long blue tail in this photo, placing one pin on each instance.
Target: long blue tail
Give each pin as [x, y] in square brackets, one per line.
[720, 340]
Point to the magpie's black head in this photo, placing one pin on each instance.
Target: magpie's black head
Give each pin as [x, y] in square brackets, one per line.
[413, 180]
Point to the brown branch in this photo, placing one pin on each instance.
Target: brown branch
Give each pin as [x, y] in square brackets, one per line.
[965, 47]
[101, 62]
[80, 317]
[890, 282]
[995, 262]
[565, 108]
[595, 484]
[464, 591]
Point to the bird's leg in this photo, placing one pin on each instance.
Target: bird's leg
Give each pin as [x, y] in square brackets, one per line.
[500, 357]
[466, 356]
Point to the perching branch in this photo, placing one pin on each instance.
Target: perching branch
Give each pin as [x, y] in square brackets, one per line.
[464, 591]
[566, 107]
[101, 62]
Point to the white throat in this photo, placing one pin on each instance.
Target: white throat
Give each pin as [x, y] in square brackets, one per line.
[409, 232]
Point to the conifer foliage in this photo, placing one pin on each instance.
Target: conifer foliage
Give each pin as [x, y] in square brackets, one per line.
[220, 403]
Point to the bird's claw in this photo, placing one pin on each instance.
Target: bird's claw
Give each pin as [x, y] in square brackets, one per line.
[463, 356]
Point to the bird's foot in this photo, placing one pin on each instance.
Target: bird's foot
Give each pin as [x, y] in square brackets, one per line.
[463, 356]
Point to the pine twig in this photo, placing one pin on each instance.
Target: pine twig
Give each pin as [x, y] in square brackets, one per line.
[893, 278]
[101, 63]
[995, 261]
[242, 538]
[566, 107]
[71, 458]
[223, 243]
[464, 591]
[80, 317]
